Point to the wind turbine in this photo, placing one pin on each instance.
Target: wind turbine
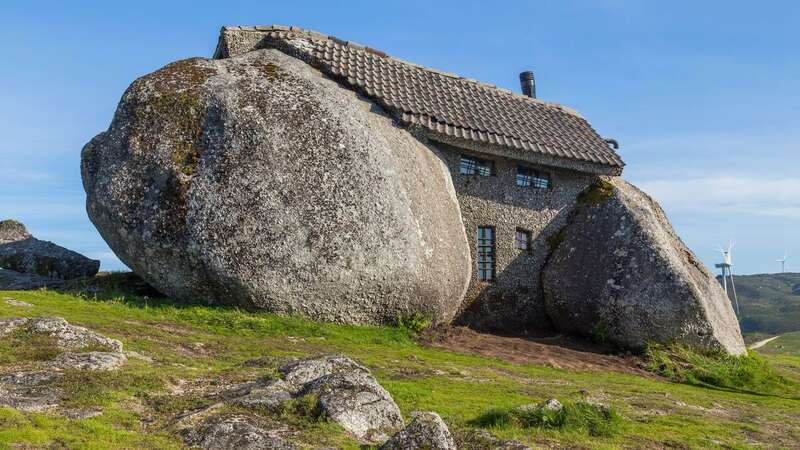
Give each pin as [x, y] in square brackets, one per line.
[783, 261]
[727, 272]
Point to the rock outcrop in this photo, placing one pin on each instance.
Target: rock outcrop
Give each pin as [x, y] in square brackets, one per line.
[68, 337]
[344, 392]
[234, 432]
[16, 281]
[30, 390]
[257, 181]
[22, 253]
[620, 273]
[32, 385]
[427, 430]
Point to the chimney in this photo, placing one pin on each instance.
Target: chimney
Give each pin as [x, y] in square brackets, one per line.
[528, 84]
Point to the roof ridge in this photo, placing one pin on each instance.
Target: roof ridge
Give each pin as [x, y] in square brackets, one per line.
[317, 35]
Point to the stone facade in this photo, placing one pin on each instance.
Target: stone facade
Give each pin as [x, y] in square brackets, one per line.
[514, 301]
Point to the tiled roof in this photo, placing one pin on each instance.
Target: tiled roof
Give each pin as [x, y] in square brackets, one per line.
[443, 104]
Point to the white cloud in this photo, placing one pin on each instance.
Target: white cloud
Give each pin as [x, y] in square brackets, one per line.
[744, 195]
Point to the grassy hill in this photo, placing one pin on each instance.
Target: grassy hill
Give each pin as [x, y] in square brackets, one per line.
[188, 349]
[769, 303]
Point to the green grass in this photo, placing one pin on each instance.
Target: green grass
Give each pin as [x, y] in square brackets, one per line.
[19, 347]
[750, 373]
[196, 348]
[577, 417]
[769, 302]
[414, 323]
[786, 344]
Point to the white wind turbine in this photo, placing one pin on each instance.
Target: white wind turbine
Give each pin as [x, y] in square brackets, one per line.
[783, 261]
[727, 271]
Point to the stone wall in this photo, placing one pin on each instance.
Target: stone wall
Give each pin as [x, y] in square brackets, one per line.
[514, 302]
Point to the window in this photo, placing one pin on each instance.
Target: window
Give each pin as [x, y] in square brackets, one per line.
[485, 253]
[527, 177]
[522, 239]
[474, 166]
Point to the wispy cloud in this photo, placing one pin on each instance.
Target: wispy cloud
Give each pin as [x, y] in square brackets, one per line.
[743, 195]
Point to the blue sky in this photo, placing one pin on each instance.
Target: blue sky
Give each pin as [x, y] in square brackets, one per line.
[704, 97]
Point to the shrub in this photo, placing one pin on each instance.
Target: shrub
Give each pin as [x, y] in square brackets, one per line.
[414, 323]
[597, 193]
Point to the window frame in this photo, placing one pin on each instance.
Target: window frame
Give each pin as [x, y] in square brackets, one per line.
[528, 237]
[536, 179]
[486, 268]
[477, 165]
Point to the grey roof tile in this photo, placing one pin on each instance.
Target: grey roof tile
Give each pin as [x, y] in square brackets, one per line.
[446, 103]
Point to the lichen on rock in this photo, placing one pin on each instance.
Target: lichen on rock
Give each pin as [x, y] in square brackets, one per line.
[622, 274]
[256, 181]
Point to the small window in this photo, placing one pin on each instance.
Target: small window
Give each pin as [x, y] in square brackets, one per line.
[475, 166]
[527, 177]
[485, 253]
[522, 239]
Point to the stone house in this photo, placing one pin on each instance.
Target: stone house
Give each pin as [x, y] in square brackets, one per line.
[518, 163]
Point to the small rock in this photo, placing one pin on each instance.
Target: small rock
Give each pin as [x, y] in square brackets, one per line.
[71, 337]
[12, 231]
[299, 373]
[358, 403]
[12, 324]
[484, 440]
[30, 390]
[15, 302]
[89, 361]
[552, 405]
[234, 432]
[427, 430]
[82, 413]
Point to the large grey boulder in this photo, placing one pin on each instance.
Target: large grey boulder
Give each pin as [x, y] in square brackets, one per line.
[259, 182]
[22, 253]
[622, 274]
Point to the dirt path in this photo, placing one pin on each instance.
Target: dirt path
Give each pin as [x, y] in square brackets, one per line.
[557, 351]
[762, 343]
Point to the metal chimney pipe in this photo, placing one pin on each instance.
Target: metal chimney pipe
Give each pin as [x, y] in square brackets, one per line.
[528, 84]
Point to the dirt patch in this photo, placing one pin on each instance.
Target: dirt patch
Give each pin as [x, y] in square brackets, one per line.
[558, 351]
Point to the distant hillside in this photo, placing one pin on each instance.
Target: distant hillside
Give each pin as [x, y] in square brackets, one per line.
[770, 303]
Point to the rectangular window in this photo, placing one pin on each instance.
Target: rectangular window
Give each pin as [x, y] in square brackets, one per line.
[527, 177]
[522, 239]
[485, 253]
[475, 166]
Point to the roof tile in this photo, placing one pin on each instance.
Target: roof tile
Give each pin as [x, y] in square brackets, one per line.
[446, 103]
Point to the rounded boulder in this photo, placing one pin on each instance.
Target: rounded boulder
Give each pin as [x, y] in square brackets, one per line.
[256, 181]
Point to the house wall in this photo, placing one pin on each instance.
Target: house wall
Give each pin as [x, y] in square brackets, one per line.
[514, 301]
